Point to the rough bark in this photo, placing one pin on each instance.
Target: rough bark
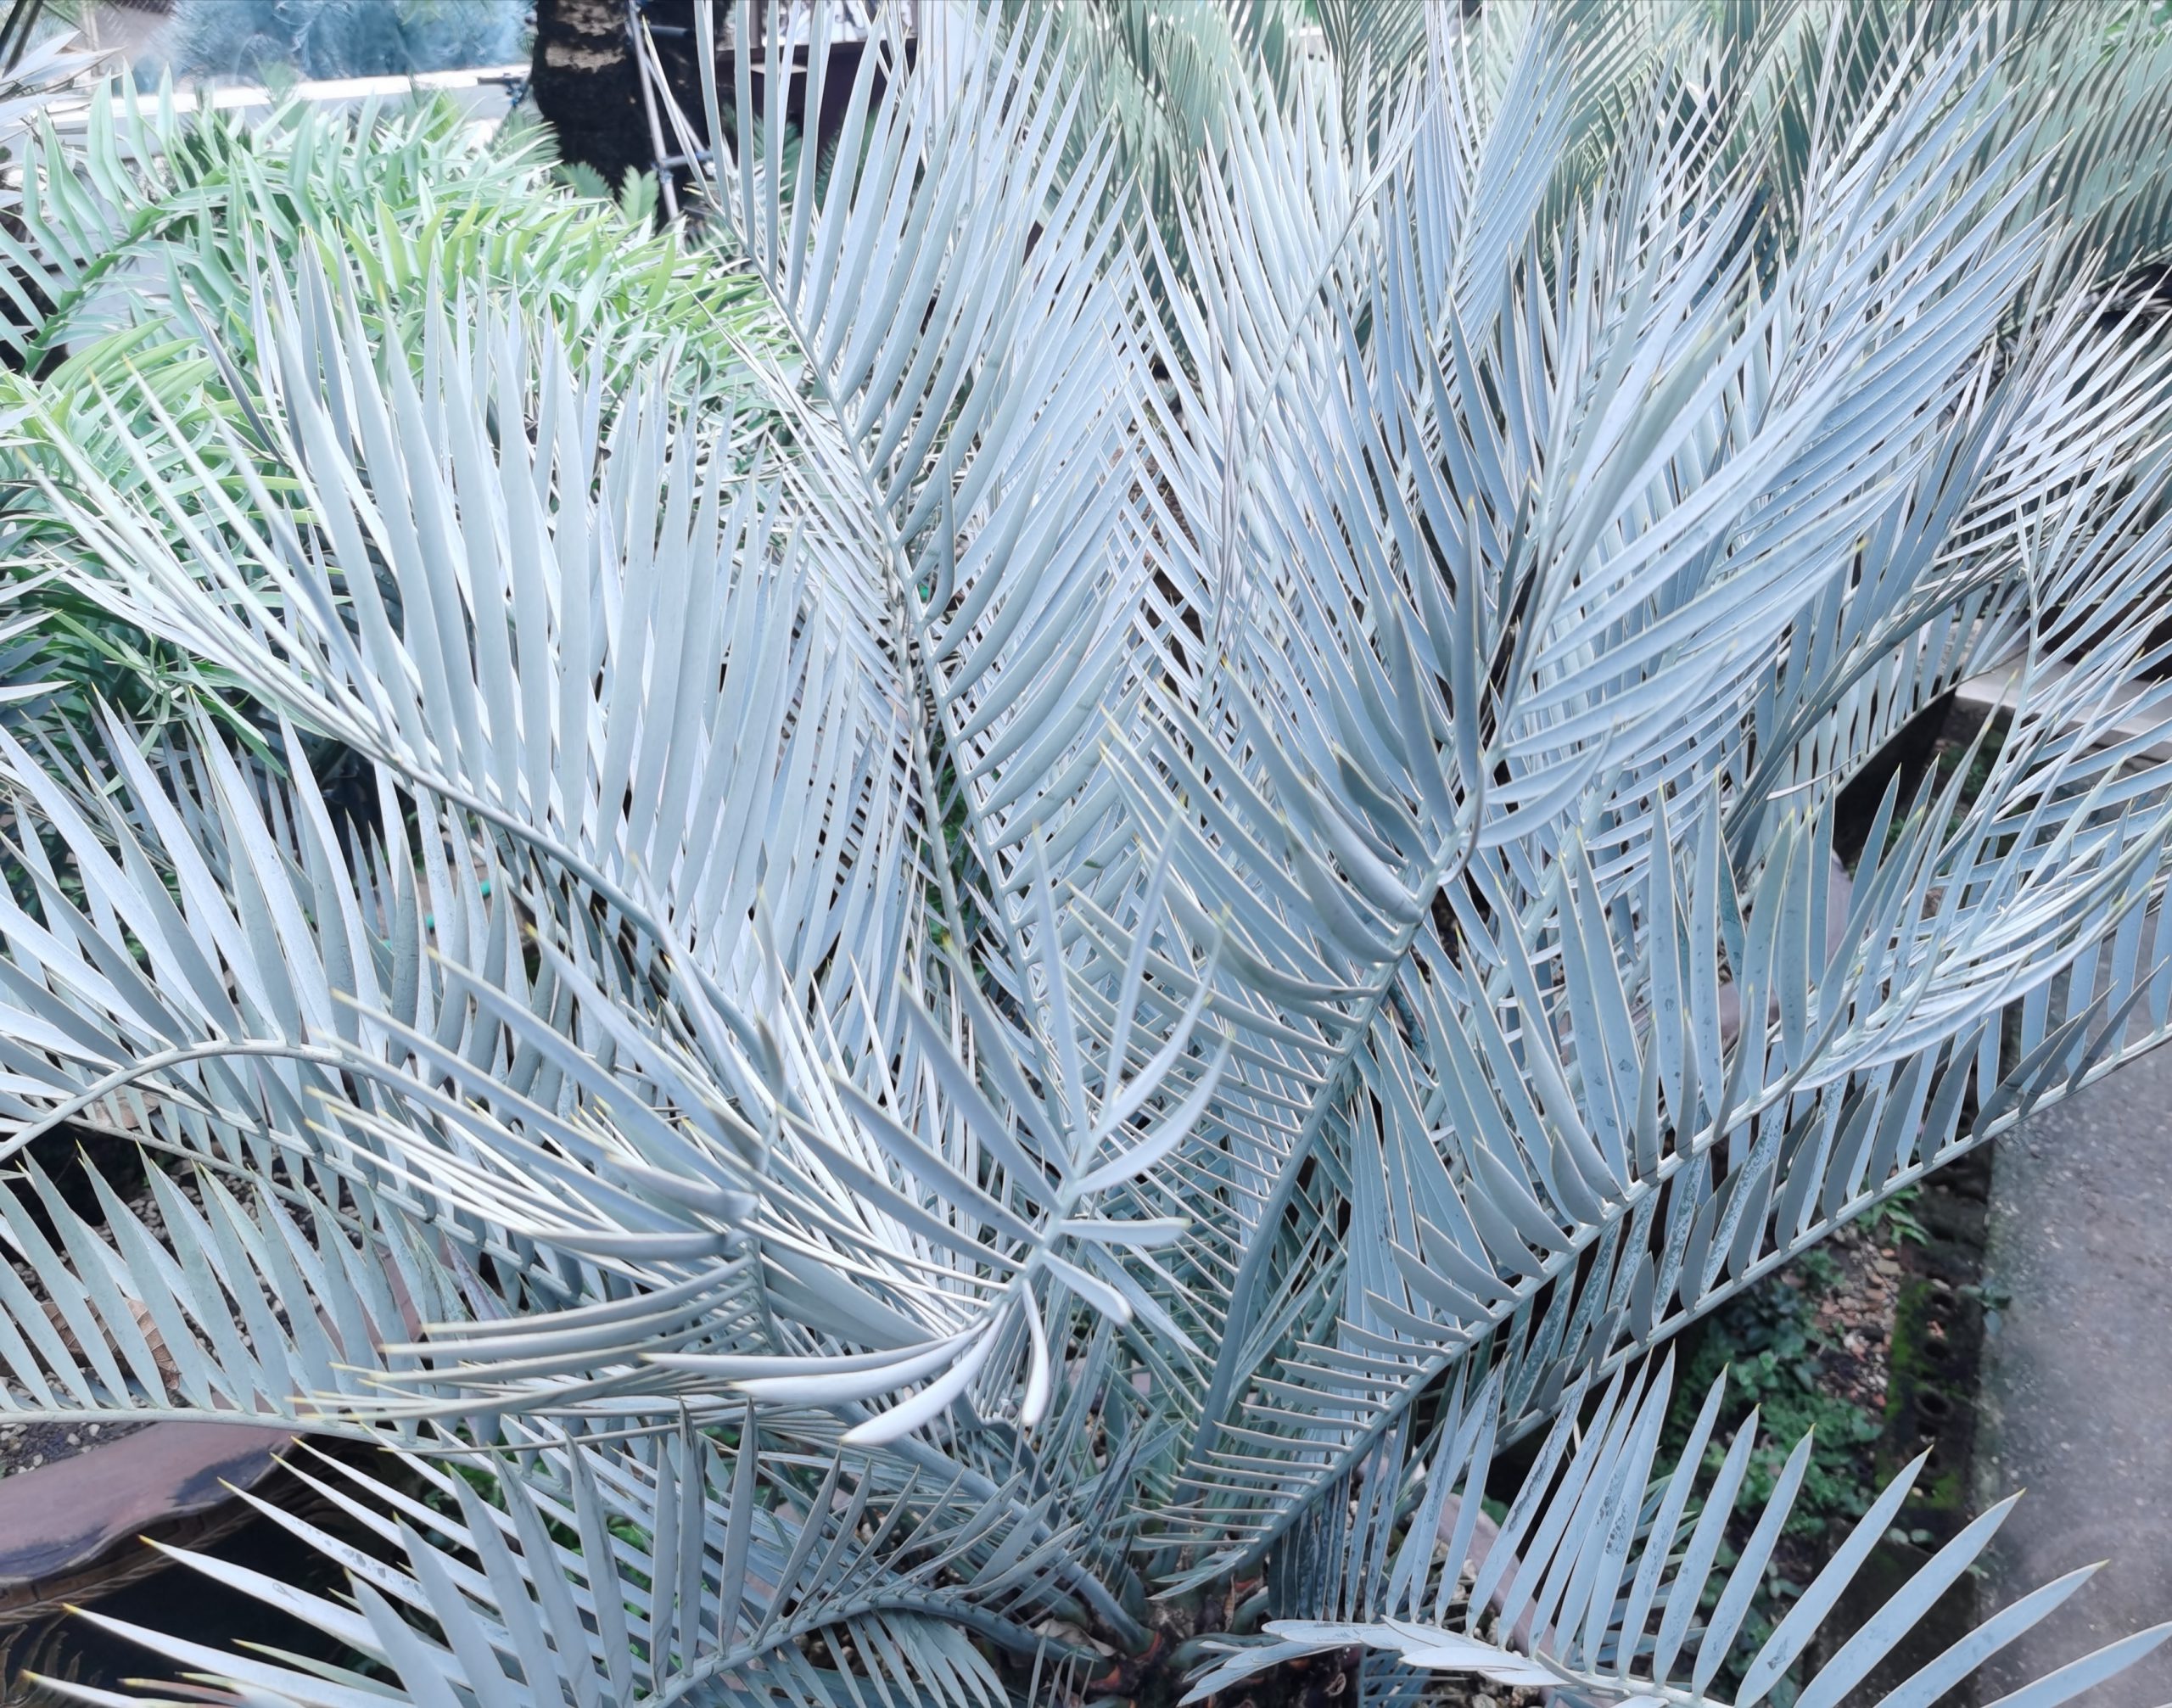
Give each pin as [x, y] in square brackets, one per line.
[586, 86]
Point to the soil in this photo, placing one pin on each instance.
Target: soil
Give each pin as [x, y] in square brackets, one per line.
[1857, 1317]
[1330, 1681]
[1935, 1339]
[67, 1157]
[26, 1445]
[1872, 1340]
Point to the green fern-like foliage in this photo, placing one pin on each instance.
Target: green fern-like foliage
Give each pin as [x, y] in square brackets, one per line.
[1085, 925]
[137, 314]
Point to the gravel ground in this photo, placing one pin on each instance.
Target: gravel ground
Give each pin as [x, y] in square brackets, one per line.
[26, 1445]
[1857, 1317]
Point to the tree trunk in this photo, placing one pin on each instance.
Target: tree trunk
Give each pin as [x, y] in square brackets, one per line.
[586, 88]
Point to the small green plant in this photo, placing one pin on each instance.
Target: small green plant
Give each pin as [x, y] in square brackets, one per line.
[1894, 1220]
[1772, 1350]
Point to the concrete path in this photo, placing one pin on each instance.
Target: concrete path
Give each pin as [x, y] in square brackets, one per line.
[2077, 1376]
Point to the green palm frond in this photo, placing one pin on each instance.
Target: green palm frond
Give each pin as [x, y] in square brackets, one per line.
[134, 268]
[138, 208]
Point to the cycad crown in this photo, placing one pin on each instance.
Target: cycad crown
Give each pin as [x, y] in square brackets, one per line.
[1158, 865]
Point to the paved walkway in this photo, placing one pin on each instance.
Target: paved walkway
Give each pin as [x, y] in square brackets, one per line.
[2077, 1378]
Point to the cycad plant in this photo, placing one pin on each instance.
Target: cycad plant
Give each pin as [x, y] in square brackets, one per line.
[1002, 1008]
[342, 38]
[129, 279]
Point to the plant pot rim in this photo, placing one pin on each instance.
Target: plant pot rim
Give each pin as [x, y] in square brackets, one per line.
[60, 1523]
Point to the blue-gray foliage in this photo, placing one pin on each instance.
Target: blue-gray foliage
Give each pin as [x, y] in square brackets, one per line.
[1102, 952]
[344, 38]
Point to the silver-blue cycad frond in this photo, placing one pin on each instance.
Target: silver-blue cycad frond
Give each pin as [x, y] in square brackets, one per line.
[1173, 868]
